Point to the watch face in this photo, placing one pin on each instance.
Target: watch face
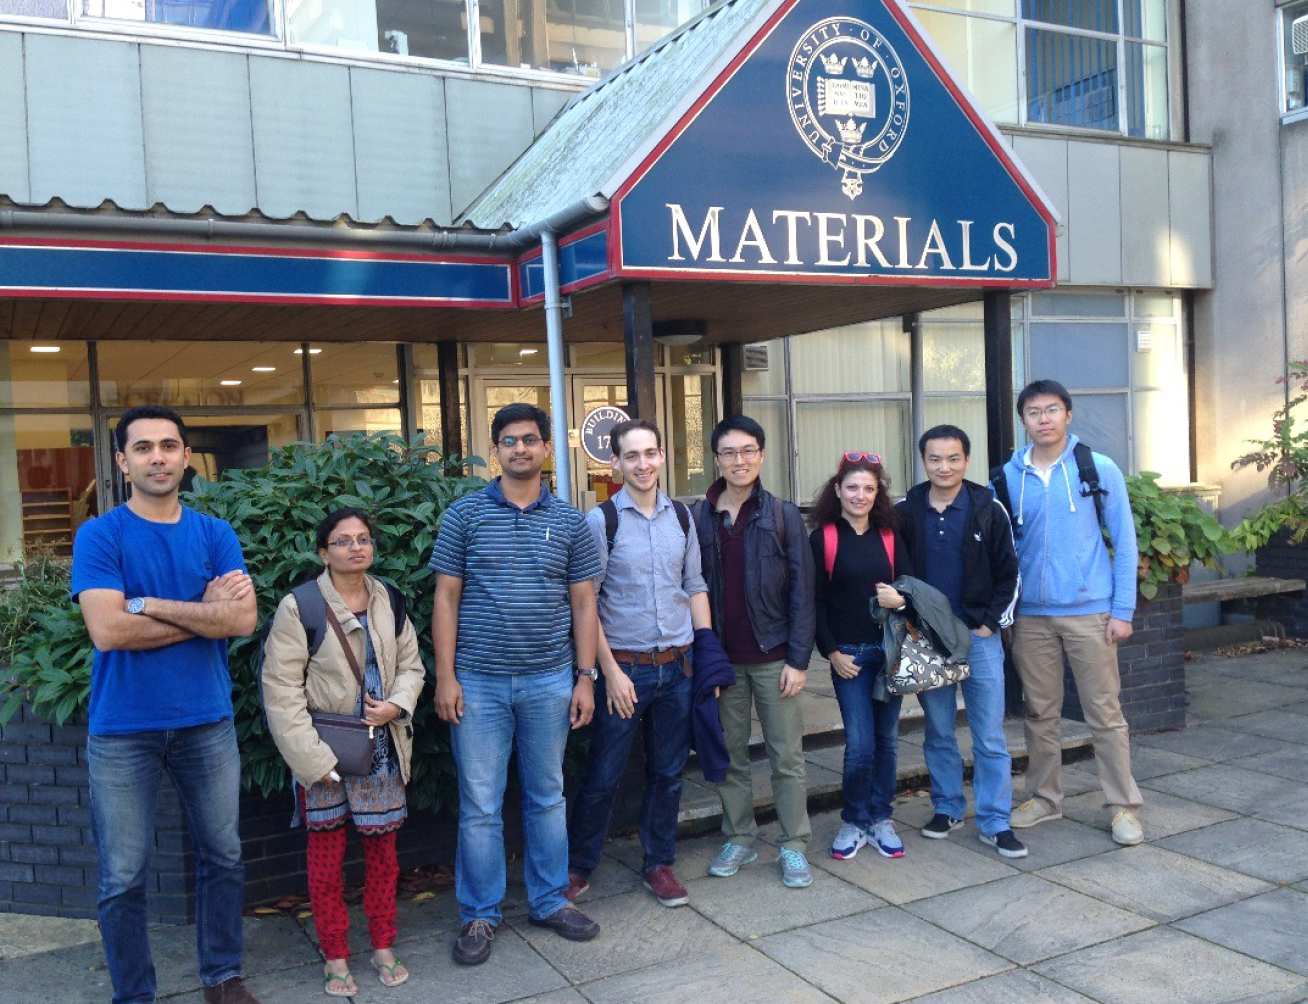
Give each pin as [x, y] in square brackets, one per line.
[136, 605]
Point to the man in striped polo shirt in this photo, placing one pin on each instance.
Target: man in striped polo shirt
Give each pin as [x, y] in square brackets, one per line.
[514, 567]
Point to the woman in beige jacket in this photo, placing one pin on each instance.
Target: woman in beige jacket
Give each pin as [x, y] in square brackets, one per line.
[296, 683]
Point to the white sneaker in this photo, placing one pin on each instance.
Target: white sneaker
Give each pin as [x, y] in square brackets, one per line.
[1033, 812]
[1127, 829]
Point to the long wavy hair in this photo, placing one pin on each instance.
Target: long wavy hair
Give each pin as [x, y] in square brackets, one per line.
[826, 506]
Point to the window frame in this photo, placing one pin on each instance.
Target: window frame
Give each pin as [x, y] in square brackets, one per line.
[1291, 115]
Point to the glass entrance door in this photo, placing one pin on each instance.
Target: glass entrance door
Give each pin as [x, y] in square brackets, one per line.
[588, 393]
[489, 395]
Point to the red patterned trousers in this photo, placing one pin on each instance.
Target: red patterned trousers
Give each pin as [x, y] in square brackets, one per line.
[327, 889]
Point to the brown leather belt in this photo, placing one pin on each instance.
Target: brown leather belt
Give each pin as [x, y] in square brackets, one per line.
[661, 657]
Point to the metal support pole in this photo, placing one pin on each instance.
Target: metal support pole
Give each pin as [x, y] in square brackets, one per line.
[558, 384]
[447, 376]
[917, 388]
[998, 324]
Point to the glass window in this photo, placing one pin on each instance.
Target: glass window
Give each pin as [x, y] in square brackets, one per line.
[982, 55]
[690, 355]
[692, 413]
[776, 457]
[1002, 7]
[35, 8]
[427, 374]
[250, 16]
[1294, 55]
[953, 357]
[1080, 355]
[47, 482]
[359, 373]
[655, 18]
[1100, 420]
[1154, 305]
[1145, 19]
[498, 397]
[1077, 305]
[44, 375]
[856, 358]
[432, 29]
[347, 420]
[595, 355]
[500, 354]
[1146, 91]
[1071, 80]
[195, 374]
[969, 414]
[1094, 15]
[584, 37]
[826, 428]
[764, 369]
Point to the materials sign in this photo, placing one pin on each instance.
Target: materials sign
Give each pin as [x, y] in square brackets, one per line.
[837, 149]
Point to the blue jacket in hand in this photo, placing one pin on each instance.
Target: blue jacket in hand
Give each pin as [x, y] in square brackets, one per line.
[712, 669]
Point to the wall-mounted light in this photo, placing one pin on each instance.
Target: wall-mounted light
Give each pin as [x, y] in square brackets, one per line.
[263, 369]
[45, 348]
[679, 333]
[229, 383]
[528, 352]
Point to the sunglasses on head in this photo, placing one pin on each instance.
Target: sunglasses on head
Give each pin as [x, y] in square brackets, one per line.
[858, 456]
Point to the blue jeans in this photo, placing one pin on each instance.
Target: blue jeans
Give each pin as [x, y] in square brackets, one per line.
[871, 735]
[992, 770]
[125, 771]
[663, 703]
[504, 713]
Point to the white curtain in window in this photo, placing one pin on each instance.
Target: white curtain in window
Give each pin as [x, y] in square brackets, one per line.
[826, 429]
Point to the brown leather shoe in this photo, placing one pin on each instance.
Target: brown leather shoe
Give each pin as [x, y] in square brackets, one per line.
[667, 889]
[231, 991]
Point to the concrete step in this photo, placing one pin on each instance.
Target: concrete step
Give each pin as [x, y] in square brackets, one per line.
[701, 811]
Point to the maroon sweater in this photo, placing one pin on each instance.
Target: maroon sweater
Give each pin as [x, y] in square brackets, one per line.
[737, 632]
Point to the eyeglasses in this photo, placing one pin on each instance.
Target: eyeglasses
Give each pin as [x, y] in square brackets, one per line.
[859, 456]
[744, 453]
[344, 543]
[1049, 411]
[509, 442]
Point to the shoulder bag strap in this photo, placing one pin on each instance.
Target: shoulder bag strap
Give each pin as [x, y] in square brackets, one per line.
[888, 542]
[830, 541]
[345, 644]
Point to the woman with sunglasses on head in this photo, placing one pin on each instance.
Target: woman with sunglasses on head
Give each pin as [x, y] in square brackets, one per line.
[365, 665]
[857, 553]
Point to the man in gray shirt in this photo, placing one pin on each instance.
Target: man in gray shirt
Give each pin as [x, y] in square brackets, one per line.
[652, 597]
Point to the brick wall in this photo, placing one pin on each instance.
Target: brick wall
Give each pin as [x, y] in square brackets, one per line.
[1283, 560]
[1152, 666]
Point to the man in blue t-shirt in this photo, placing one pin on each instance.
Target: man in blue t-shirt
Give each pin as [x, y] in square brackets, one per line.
[161, 588]
[514, 596]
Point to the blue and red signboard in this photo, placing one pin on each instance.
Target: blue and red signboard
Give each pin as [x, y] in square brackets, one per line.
[834, 147]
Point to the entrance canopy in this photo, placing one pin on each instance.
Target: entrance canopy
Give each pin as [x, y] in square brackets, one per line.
[789, 141]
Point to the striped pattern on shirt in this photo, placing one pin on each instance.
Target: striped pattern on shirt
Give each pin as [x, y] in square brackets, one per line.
[515, 615]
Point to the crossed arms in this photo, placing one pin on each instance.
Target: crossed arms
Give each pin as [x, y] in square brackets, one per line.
[226, 610]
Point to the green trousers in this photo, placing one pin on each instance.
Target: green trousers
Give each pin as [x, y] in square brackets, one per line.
[783, 735]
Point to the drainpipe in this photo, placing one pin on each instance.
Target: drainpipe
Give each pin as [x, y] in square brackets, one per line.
[558, 386]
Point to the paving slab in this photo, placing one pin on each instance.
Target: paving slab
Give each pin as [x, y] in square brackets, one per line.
[1165, 964]
[914, 810]
[928, 868]
[693, 856]
[636, 932]
[1053, 843]
[726, 975]
[75, 975]
[1274, 723]
[21, 934]
[1019, 986]
[754, 903]
[1290, 762]
[287, 986]
[1161, 816]
[1273, 928]
[1226, 786]
[1253, 846]
[881, 956]
[1150, 761]
[1209, 742]
[1027, 919]
[1299, 709]
[1155, 883]
[1228, 700]
[413, 920]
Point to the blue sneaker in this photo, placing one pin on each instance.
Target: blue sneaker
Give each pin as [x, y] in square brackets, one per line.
[849, 841]
[795, 873]
[887, 840]
[730, 859]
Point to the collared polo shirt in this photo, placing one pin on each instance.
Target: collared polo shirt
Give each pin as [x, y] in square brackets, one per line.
[647, 581]
[515, 615]
[942, 539]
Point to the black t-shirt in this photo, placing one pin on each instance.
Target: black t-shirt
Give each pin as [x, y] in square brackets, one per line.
[844, 612]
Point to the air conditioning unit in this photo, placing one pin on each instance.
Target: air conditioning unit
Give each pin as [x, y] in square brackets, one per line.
[1299, 36]
[755, 357]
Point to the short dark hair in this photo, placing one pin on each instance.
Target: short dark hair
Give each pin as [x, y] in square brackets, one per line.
[335, 519]
[738, 423]
[147, 411]
[519, 411]
[631, 425]
[945, 432]
[1038, 387]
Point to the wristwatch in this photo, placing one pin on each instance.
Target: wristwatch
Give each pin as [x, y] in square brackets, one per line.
[136, 605]
[591, 674]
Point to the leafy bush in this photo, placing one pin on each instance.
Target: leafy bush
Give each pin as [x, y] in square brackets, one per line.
[274, 511]
[44, 642]
[1284, 456]
[1172, 531]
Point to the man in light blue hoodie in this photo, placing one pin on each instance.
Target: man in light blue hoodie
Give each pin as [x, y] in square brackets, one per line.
[1077, 601]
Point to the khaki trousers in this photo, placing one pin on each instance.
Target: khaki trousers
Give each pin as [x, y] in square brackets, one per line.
[1039, 645]
[782, 720]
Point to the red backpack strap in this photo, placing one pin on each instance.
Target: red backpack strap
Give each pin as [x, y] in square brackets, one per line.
[888, 542]
[830, 540]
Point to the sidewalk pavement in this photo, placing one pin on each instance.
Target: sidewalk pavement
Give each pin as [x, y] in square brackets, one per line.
[1214, 907]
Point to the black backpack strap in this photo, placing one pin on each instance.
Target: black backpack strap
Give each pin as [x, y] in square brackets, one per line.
[683, 515]
[999, 484]
[779, 522]
[610, 512]
[313, 613]
[1088, 474]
